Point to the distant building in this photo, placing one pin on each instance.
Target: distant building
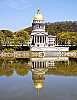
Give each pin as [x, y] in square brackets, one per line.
[40, 40]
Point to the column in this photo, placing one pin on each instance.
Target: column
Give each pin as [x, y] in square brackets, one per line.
[42, 64]
[37, 39]
[45, 39]
[41, 39]
[34, 39]
[33, 65]
[45, 64]
[39, 64]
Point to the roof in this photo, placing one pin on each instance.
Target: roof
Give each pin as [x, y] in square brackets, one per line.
[38, 15]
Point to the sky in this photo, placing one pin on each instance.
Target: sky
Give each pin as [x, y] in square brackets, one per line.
[17, 14]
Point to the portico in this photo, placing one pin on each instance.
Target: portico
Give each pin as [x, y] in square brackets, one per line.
[40, 40]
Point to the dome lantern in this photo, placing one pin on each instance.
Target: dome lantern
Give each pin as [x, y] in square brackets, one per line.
[38, 15]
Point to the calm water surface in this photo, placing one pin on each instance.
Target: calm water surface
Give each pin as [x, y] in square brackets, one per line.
[52, 78]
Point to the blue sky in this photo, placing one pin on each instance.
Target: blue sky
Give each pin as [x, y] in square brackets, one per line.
[17, 14]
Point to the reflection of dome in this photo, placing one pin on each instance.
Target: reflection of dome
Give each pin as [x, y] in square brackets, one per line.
[38, 16]
[38, 84]
[38, 78]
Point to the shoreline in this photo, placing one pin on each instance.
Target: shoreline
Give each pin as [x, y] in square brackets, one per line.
[31, 54]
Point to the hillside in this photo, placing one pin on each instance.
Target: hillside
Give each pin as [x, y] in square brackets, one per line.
[53, 28]
[66, 33]
[58, 27]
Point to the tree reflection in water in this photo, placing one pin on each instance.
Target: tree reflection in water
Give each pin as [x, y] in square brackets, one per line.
[39, 67]
[50, 65]
[8, 66]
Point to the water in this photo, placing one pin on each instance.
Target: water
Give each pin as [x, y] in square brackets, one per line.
[52, 78]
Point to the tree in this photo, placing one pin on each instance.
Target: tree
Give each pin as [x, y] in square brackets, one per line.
[67, 38]
[6, 36]
[21, 37]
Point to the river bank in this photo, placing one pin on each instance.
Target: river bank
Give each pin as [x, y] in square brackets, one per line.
[72, 53]
[21, 54]
[35, 54]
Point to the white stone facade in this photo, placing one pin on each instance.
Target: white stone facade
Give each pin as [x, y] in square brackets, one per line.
[40, 40]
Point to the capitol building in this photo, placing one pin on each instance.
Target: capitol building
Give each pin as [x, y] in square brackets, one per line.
[39, 38]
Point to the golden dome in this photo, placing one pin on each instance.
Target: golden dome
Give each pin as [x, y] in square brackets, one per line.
[38, 84]
[38, 16]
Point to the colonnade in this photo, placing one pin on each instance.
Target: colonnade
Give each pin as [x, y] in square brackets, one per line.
[39, 64]
[39, 39]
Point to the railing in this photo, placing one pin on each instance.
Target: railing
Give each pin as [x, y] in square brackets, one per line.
[22, 54]
[69, 45]
[14, 45]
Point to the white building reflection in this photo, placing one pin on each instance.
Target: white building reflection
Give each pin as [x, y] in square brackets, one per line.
[40, 67]
[46, 62]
